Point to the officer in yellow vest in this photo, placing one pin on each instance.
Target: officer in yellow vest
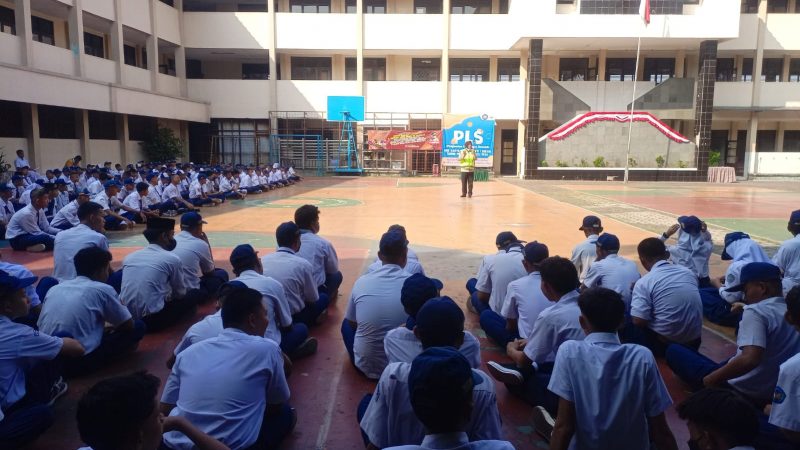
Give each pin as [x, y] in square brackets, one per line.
[466, 158]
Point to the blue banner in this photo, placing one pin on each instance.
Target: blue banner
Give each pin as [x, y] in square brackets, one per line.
[460, 129]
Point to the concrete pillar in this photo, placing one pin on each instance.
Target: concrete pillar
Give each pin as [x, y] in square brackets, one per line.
[31, 125]
[122, 135]
[286, 67]
[779, 131]
[75, 24]
[337, 67]
[535, 47]
[152, 46]
[445, 74]
[787, 61]
[360, 49]
[180, 56]
[601, 65]
[117, 42]
[22, 22]
[739, 63]
[82, 125]
[680, 61]
[493, 68]
[758, 61]
[791, 6]
[272, 83]
[750, 160]
[495, 6]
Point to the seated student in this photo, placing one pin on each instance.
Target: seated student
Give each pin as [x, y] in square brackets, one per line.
[788, 255]
[765, 341]
[254, 406]
[138, 204]
[584, 254]
[532, 358]
[721, 306]
[211, 188]
[107, 198]
[229, 187]
[153, 286]
[154, 194]
[81, 307]
[375, 308]
[34, 300]
[67, 217]
[29, 229]
[29, 376]
[292, 337]
[412, 261]
[198, 195]
[121, 412]
[296, 275]
[524, 298]
[318, 251]
[785, 411]
[402, 343]
[693, 249]
[666, 306]
[61, 196]
[487, 291]
[87, 234]
[611, 395]
[612, 271]
[201, 278]
[171, 197]
[6, 209]
[292, 174]
[247, 183]
[719, 419]
[387, 418]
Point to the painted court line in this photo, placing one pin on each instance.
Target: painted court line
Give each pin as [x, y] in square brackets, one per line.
[325, 427]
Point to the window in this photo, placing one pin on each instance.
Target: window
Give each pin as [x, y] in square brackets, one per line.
[427, 6]
[42, 30]
[311, 68]
[749, 6]
[374, 69]
[56, 122]
[620, 69]
[573, 69]
[791, 141]
[726, 69]
[102, 125]
[12, 124]
[370, 6]
[168, 2]
[630, 6]
[168, 68]
[310, 6]
[469, 69]
[503, 6]
[772, 69]
[129, 54]
[765, 140]
[426, 69]
[471, 6]
[251, 71]
[794, 70]
[777, 6]
[7, 21]
[93, 45]
[144, 58]
[140, 127]
[252, 7]
[194, 69]
[747, 69]
[508, 69]
[659, 70]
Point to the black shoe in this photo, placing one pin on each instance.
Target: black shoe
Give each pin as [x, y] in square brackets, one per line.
[543, 422]
[469, 195]
[463, 195]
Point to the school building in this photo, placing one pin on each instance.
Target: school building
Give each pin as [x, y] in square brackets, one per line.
[247, 80]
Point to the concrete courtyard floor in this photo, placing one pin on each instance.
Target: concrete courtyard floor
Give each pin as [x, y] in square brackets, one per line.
[450, 235]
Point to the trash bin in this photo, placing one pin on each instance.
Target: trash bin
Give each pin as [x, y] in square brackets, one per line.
[481, 175]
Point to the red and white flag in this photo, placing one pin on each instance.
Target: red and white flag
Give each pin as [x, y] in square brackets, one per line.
[644, 11]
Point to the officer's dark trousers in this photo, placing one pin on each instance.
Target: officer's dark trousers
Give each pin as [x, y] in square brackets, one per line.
[209, 285]
[467, 179]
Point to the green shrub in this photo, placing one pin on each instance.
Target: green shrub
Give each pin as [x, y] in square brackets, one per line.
[561, 163]
[683, 164]
[599, 162]
[715, 159]
[162, 146]
[544, 163]
[584, 163]
[632, 162]
[660, 161]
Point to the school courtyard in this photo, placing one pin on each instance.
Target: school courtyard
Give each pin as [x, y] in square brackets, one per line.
[450, 234]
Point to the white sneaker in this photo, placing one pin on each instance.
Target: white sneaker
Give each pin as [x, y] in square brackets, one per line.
[504, 374]
[38, 248]
[58, 390]
[543, 422]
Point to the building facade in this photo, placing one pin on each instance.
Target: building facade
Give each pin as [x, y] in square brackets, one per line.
[248, 80]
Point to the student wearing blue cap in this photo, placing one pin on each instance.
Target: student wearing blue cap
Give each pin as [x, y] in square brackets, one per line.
[584, 254]
[389, 417]
[194, 250]
[524, 298]
[412, 261]
[788, 255]
[111, 205]
[721, 305]
[693, 248]
[129, 187]
[764, 342]
[29, 377]
[488, 290]
[612, 271]
[29, 229]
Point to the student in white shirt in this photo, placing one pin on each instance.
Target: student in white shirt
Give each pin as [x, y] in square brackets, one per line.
[29, 381]
[296, 275]
[412, 261]
[765, 341]
[611, 395]
[29, 229]
[81, 308]
[172, 199]
[229, 186]
[524, 297]
[139, 204]
[122, 410]
[6, 209]
[246, 405]
[62, 198]
[441, 391]
[20, 160]
[386, 417]
[202, 279]
[488, 290]
[612, 271]
[112, 206]
[152, 285]
[584, 254]
[197, 194]
[68, 216]
[529, 373]
[785, 411]
[402, 343]
[788, 255]
[87, 234]
[719, 419]
[375, 308]
[318, 251]
[666, 306]
[693, 249]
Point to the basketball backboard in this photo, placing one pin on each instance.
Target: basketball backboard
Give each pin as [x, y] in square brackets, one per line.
[345, 108]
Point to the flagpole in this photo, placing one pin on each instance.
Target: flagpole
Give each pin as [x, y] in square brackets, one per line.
[633, 105]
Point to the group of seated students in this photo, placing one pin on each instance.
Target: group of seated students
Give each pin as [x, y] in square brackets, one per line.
[581, 335]
[35, 208]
